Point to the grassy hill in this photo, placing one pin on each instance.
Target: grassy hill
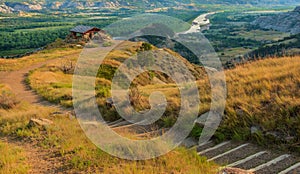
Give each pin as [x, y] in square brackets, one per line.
[263, 95]
[67, 145]
[64, 147]
[262, 105]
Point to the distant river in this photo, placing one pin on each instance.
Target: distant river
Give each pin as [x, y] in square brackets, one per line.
[201, 23]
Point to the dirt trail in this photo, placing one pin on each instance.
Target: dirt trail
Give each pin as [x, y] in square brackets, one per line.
[16, 80]
[39, 159]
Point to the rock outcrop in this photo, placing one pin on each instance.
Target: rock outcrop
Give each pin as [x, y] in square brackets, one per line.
[5, 9]
[34, 5]
[9, 7]
[39, 122]
[55, 5]
[285, 22]
[25, 6]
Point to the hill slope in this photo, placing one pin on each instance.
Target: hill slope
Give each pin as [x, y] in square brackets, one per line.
[284, 22]
[61, 147]
[288, 46]
[262, 95]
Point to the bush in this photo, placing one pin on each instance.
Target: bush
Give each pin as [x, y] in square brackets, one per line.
[146, 47]
[67, 66]
[107, 44]
[8, 100]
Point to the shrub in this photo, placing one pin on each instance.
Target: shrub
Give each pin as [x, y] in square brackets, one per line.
[7, 100]
[146, 47]
[67, 66]
[107, 44]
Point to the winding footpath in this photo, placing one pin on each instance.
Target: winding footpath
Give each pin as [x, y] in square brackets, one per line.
[39, 159]
[17, 81]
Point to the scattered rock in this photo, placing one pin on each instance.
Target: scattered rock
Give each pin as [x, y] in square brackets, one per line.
[39, 122]
[69, 114]
[229, 170]
[289, 139]
[255, 129]
[274, 134]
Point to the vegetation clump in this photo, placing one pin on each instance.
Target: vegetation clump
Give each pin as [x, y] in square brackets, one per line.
[7, 99]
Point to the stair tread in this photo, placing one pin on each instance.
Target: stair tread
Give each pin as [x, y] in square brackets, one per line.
[280, 166]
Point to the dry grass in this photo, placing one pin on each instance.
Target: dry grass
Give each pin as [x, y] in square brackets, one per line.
[16, 64]
[12, 159]
[80, 155]
[263, 94]
[13, 122]
[56, 87]
[85, 156]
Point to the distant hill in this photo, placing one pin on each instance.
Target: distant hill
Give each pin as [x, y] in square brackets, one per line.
[289, 46]
[284, 22]
[252, 2]
[28, 5]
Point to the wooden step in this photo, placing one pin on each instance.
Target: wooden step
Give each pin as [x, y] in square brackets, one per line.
[246, 159]
[123, 123]
[213, 148]
[238, 155]
[280, 166]
[290, 169]
[228, 152]
[115, 122]
[258, 160]
[274, 161]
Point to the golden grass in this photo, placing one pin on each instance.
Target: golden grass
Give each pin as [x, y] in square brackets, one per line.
[265, 93]
[13, 122]
[16, 64]
[85, 156]
[65, 137]
[68, 139]
[12, 159]
[53, 86]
